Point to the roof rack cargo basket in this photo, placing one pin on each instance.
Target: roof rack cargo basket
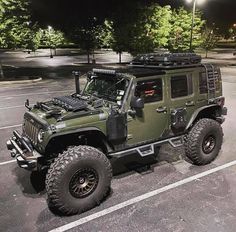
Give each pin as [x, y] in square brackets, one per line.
[166, 60]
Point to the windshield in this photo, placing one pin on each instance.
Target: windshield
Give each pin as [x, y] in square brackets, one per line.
[108, 87]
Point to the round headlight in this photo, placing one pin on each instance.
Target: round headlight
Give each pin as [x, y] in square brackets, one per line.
[40, 136]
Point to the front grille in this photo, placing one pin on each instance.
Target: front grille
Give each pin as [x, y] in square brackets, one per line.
[31, 129]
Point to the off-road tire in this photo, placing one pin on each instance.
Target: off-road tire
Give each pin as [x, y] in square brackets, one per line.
[62, 171]
[194, 141]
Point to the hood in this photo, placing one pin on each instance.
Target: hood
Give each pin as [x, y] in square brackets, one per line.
[69, 107]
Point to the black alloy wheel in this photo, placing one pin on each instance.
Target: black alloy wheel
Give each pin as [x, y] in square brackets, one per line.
[209, 143]
[83, 182]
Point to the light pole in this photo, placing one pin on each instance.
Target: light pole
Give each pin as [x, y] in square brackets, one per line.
[234, 31]
[49, 33]
[234, 37]
[193, 19]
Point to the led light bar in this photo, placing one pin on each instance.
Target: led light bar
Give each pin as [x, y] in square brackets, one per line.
[104, 71]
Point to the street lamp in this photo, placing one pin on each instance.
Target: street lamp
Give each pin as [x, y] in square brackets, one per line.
[193, 19]
[49, 33]
[234, 36]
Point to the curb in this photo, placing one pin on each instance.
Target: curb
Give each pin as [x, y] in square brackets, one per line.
[21, 81]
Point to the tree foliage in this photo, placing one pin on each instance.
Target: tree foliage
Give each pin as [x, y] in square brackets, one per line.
[232, 32]
[133, 28]
[152, 30]
[51, 38]
[120, 38]
[181, 28]
[157, 24]
[209, 39]
[31, 38]
[87, 37]
[14, 22]
[123, 23]
[140, 37]
[156, 27]
[105, 34]
[146, 29]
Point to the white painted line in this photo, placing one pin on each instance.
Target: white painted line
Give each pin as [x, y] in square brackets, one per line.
[8, 162]
[8, 127]
[145, 196]
[39, 93]
[10, 107]
[22, 88]
[32, 86]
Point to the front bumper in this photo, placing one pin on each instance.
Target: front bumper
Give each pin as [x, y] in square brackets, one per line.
[22, 149]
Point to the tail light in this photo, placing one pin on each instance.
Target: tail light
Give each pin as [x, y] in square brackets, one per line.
[220, 102]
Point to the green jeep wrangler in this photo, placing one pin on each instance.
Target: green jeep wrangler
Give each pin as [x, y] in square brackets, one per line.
[157, 99]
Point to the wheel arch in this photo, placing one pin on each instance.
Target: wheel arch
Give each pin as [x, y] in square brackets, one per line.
[91, 136]
[210, 111]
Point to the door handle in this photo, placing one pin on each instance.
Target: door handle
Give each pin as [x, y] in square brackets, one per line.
[190, 103]
[161, 110]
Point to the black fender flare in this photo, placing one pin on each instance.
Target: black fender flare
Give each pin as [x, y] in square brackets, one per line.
[197, 112]
[81, 131]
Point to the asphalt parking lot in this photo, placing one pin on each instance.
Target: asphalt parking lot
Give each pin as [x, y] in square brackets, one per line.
[172, 195]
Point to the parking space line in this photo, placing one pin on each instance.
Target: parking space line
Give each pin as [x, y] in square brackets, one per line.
[32, 86]
[7, 162]
[10, 107]
[8, 127]
[145, 196]
[39, 93]
[26, 87]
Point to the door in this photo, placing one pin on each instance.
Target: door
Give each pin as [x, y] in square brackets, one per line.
[149, 123]
[181, 93]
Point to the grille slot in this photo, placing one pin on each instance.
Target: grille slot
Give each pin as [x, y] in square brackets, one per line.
[31, 130]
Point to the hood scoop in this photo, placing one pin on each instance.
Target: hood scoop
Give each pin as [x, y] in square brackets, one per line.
[70, 103]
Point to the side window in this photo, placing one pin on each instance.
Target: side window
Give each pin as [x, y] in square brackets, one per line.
[150, 91]
[181, 86]
[202, 82]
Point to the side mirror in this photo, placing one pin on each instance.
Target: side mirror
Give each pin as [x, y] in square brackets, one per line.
[27, 104]
[89, 76]
[137, 103]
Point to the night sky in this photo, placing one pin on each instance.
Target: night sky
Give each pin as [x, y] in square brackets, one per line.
[64, 13]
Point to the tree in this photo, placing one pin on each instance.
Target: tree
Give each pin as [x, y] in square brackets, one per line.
[181, 29]
[105, 35]
[124, 22]
[120, 39]
[141, 36]
[232, 32]
[144, 31]
[157, 24]
[51, 38]
[129, 32]
[152, 29]
[87, 39]
[32, 37]
[14, 18]
[210, 39]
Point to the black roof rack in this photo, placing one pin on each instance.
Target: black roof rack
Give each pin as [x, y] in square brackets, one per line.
[166, 60]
